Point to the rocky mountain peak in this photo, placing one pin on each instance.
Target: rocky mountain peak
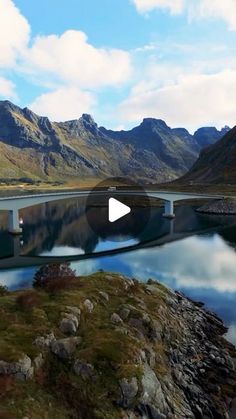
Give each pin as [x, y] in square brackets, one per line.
[88, 118]
[8, 107]
[154, 123]
[209, 135]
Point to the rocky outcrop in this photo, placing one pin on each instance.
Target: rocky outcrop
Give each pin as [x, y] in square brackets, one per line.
[21, 370]
[70, 321]
[69, 324]
[225, 206]
[65, 348]
[44, 343]
[129, 390]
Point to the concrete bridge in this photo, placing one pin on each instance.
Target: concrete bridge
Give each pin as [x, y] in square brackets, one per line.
[15, 203]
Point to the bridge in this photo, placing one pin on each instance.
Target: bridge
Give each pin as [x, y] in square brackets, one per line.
[15, 203]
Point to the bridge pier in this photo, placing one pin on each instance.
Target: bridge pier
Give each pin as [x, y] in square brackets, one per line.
[14, 222]
[169, 209]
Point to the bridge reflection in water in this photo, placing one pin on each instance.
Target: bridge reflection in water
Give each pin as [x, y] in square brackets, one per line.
[53, 226]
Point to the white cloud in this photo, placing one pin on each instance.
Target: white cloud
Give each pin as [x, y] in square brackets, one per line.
[195, 9]
[64, 103]
[225, 10]
[67, 65]
[174, 6]
[7, 88]
[71, 59]
[85, 267]
[63, 251]
[73, 68]
[188, 100]
[14, 33]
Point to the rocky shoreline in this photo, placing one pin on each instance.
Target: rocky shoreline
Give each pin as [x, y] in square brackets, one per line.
[225, 206]
[114, 348]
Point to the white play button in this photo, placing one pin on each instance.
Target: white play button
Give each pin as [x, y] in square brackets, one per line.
[117, 210]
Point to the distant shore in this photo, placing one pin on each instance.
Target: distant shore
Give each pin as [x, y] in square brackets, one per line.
[225, 206]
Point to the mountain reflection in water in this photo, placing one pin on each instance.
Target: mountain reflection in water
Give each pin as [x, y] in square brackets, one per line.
[194, 253]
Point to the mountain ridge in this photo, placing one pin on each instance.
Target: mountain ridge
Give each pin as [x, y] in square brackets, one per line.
[150, 152]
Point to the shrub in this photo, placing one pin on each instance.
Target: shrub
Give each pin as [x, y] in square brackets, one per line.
[28, 300]
[3, 290]
[55, 277]
[75, 397]
[7, 384]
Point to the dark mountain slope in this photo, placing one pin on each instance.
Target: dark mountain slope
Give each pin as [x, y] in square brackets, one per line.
[209, 135]
[168, 145]
[216, 164]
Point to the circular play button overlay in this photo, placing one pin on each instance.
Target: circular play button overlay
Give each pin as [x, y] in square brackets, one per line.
[118, 209]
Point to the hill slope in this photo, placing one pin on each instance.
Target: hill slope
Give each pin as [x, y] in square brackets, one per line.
[34, 147]
[216, 164]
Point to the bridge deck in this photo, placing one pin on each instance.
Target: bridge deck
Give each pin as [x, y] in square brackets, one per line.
[23, 201]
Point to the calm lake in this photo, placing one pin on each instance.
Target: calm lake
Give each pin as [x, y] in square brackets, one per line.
[194, 253]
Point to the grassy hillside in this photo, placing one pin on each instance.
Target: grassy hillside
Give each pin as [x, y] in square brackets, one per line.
[105, 346]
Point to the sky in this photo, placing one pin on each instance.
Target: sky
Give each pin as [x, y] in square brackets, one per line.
[121, 60]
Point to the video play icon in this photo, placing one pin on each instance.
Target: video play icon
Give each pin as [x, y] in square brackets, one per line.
[117, 210]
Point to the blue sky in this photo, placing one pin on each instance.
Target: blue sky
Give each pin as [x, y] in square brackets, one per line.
[121, 60]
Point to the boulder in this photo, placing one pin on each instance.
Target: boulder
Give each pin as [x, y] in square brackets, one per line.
[68, 326]
[152, 394]
[129, 390]
[65, 348]
[22, 369]
[44, 343]
[72, 317]
[155, 331]
[124, 313]
[104, 295]
[88, 305]
[115, 318]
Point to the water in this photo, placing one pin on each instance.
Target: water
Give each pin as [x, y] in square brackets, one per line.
[194, 253]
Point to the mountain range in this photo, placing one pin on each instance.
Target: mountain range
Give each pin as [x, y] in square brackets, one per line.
[33, 147]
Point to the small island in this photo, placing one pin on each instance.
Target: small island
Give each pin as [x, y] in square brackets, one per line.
[106, 346]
